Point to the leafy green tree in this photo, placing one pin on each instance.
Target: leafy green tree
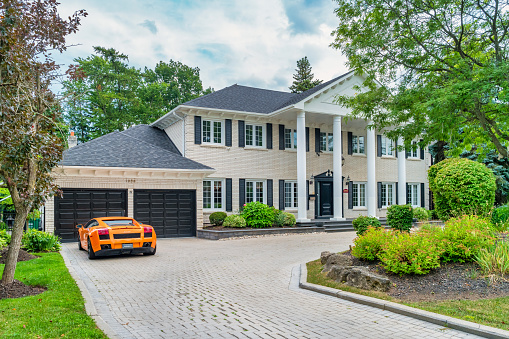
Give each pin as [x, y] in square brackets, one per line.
[437, 70]
[303, 79]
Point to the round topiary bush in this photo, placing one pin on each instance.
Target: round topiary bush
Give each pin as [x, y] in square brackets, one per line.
[462, 186]
[217, 218]
[421, 214]
[289, 219]
[400, 217]
[234, 220]
[361, 224]
[258, 215]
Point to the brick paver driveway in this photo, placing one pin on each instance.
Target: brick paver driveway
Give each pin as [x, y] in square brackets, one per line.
[194, 288]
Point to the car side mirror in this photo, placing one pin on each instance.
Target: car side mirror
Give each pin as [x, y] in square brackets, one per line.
[79, 226]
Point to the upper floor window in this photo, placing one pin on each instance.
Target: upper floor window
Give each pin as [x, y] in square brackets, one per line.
[359, 194]
[291, 194]
[388, 194]
[212, 132]
[326, 142]
[414, 151]
[290, 138]
[254, 135]
[255, 191]
[213, 194]
[387, 146]
[413, 195]
[358, 144]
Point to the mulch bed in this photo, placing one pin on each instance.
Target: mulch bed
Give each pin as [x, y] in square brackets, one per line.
[18, 289]
[23, 255]
[451, 281]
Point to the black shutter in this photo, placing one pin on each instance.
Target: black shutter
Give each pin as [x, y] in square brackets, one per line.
[422, 195]
[197, 129]
[229, 206]
[307, 139]
[242, 134]
[407, 153]
[396, 148]
[379, 184]
[379, 145]
[350, 195]
[228, 132]
[270, 192]
[281, 137]
[397, 194]
[281, 195]
[422, 151]
[407, 191]
[350, 145]
[269, 135]
[317, 140]
[242, 193]
[307, 194]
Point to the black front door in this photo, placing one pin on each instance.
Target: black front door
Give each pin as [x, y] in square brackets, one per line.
[325, 204]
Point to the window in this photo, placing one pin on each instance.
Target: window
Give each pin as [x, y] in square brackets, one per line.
[291, 194]
[359, 194]
[213, 194]
[290, 138]
[414, 153]
[254, 135]
[388, 194]
[413, 195]
[358, 144]
[387, 146]
[212, 132]
[326, 142]
[255, 191]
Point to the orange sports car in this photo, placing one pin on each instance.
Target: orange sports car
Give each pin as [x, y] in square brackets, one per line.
[116, 235]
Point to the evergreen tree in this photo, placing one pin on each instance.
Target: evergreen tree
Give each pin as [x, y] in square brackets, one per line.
[303, 79]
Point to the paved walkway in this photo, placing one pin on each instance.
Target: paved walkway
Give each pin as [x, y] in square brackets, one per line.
[194, 288]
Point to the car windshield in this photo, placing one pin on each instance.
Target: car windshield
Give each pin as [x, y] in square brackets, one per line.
[120, 222]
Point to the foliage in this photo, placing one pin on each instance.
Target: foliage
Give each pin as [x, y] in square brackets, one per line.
[410, 254]
[461, 187]
[303, 79]
[436, 70]
[6, 203]
[500, 217]
[39, 241]
[279, 218]
[6, 237]
[369, 245]
[494, 260]
[34, 215]
[234, 220]
[258, 215]
[3, 243]
[421, 214]
[361, 224]
[400, 217]
[3, 225]
[289, 219]
[217, 218]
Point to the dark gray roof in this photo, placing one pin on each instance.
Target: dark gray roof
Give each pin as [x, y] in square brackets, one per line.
[141, 146]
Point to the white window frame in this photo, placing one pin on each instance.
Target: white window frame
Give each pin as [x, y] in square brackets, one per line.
[389, 146]
[212, 197]
[358, 193]
[414, 154]
[356, 144]
[386, 185]
[293, 138]
[211, 136]
[293, 195]
[255, 190]
[329, 142]
[414, 188]
[254, 126]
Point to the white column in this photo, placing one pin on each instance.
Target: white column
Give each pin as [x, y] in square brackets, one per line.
[301, 166]
[371, 184]
[336, 168]
[401, 174]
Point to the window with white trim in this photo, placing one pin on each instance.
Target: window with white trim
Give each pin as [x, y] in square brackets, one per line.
[254, 135]
[326, 142]
[213, 194]
[291, 194]
[290, 138]
[359, 194]
[388, 194]
[212, 132]
[414, 152]
[358, 144]
[387, 146]
[255, 191]
[413, 194]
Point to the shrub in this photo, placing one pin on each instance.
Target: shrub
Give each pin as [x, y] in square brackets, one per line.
[368, 245]
[410, 254]
[217, 218]
[3, 243]
[38, 241]
[4, 236]
[361, 224]
[279, 218]
[500, 218]
[234, 220]
[258, 215]
[3, 225]
[494, 260]
[289, 219]
[400, 217]
[462, 186]
[421, 214]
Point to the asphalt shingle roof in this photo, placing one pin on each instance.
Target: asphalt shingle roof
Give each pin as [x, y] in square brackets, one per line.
[141, 146]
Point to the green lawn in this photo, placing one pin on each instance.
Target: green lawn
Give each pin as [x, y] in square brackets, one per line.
[491, 312]
[57, 313]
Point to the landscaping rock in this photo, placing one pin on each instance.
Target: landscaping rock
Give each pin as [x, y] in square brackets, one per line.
[337, 259]
[324, 256]
[359, 277]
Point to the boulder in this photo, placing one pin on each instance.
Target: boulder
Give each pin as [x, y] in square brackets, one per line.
[337, 259]
[324, 256]
[360, 277]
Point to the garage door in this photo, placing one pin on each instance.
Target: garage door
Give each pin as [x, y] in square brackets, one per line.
[77, 206]
[172, 213]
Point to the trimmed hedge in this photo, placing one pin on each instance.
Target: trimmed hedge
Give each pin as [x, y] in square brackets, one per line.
[258, 215]
[217, 218]
[361, 224]
[234, 221]
[400, 217]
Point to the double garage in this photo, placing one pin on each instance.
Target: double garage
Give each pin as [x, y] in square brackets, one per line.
[171, 212]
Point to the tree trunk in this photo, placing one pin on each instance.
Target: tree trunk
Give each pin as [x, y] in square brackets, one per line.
[14, 246]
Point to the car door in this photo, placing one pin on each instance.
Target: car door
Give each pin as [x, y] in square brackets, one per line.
[85, 231]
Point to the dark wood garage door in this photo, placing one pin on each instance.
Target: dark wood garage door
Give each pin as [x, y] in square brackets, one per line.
[172, 213]
[77, 206]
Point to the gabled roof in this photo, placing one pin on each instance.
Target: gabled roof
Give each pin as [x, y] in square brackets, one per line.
[141, 146]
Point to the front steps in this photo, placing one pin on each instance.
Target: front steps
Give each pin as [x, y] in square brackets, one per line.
[334, 226]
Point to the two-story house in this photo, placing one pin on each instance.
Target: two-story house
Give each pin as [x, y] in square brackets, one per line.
[296, 152]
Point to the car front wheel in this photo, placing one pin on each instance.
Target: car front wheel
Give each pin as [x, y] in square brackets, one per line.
[91, 253]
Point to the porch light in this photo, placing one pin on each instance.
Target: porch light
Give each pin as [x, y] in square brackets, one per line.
[348, 180]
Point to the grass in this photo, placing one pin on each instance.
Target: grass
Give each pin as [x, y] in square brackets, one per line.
[490, 312]
[57, 313]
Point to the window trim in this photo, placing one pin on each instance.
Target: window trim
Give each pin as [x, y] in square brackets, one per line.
[359, 195]
[391, 143]
[295, 191]
[417, 151]
[327, 136]
[223, 195]
[393, 184]
[264, 181]
[418, 193]
[264, 133]
[355, 146]
[293, 138]
[212, 132]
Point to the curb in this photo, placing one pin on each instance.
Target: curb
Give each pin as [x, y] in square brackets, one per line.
[438, 319]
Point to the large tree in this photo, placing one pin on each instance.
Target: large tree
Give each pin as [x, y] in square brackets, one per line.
[434, 69]
[30, 143]
[303, 79]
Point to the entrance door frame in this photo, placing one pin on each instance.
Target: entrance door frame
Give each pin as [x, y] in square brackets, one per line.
[327, 176]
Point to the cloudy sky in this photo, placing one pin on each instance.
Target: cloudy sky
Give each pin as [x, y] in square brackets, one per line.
[252, 43]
